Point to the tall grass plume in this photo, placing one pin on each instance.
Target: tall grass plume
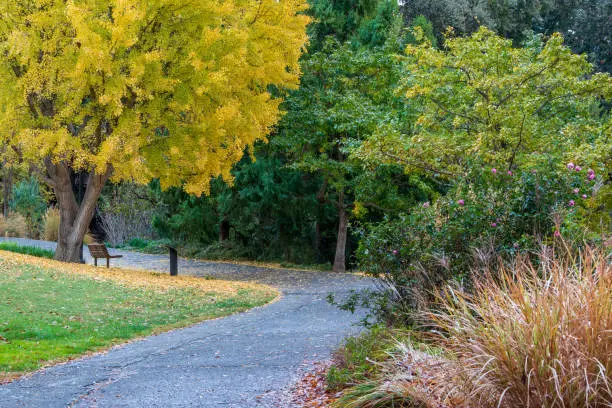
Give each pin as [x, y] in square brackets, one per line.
[537, 335]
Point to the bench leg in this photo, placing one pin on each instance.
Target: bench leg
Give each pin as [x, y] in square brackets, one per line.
[95, 261]
[107, 263]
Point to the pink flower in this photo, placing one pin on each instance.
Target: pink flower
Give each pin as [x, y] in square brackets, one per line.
[557, 233]
[578, 168]
[570, 166]
[426, 205]
[576, 190]
[571, 203]
[461, 202]
[494, 224]
[510, 173]
[591, 176]
[494, 170]
[584, 196]
[395, 252]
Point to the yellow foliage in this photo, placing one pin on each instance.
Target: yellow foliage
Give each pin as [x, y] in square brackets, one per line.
[174, 89]
[136, 278]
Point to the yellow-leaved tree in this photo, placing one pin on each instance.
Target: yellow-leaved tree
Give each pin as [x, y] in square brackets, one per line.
[141, 89]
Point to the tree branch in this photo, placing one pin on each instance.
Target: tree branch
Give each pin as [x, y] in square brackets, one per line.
[376, 206]
[524, 81]
[417, 165]
[462, 115]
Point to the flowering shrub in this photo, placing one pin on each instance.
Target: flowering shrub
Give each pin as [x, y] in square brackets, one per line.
[487, 215]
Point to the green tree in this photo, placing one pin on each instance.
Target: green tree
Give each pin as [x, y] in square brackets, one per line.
[338, 18]
[483, 102]
[584, 23]
[167, 89]
[465, 16]
[275, 212]
[347, 90]
[269, 213]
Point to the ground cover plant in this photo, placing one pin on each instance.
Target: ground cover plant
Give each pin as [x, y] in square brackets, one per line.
[352, 363]
[72, 310]
[27, 250]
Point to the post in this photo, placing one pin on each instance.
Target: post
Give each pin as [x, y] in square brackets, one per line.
[173, 261]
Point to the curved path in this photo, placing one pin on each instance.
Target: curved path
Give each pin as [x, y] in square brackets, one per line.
[245, 360]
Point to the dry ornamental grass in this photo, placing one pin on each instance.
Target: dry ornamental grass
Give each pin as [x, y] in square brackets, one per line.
[531, 335]
[537, 336]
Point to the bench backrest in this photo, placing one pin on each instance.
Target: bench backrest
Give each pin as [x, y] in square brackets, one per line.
[98, 251]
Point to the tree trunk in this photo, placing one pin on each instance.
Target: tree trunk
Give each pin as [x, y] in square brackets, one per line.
[316, 242]
[318, 238]
[224, 230]
[74, 217]
[339, 260]
[8, 186]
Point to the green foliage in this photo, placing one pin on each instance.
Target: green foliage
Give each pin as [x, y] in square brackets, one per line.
[584, 23]
[346, 92]
[482, 101]
[480, 218]
[270, 213]
[426, 29]
[283, 206]
[26, 250]
[337, 18]
[498, 125]
[354, 361]
[465, 16]
[157, 246]
[28, 202]
[138, 243]
[181, 217]
[383, 26]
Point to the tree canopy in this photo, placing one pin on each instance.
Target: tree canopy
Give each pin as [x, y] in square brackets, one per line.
[167, 89]
[585, 24]
[482, 100]
[171, 89]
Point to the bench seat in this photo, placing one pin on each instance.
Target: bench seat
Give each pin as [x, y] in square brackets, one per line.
[100, 251]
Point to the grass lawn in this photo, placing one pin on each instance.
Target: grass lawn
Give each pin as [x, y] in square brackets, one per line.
[52, 312]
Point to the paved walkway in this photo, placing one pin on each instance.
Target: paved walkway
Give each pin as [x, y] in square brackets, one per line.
[245, 360]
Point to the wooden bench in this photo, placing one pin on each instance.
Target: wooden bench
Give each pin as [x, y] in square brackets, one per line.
[100, 251]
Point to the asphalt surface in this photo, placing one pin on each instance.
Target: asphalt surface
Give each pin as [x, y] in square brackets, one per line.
[245, 360]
